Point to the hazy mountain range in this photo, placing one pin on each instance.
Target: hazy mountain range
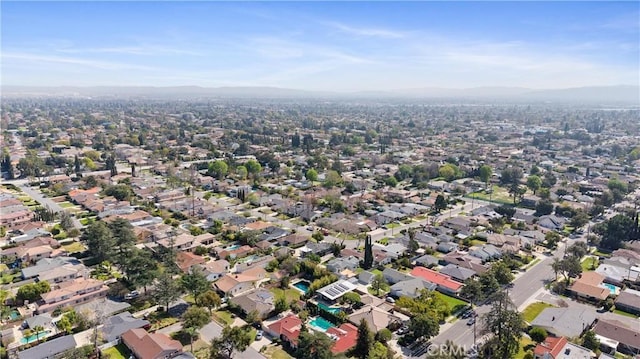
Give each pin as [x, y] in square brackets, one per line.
[596, 94]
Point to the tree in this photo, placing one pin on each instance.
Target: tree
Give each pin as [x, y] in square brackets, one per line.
[538, 334]
[32, 291]
[38, 329]
[110, 163]
[511, 175]
[391, 181]
[552, 238]
[578, 249]
[65, 221]
[556, 266]
[506, 324]
[448, 171]
[314, 345]
[281, 304]
[364, 341]
[501, 272]
[570, 267]
[472, 290]
[195, 317]
[378, 351]
[312, 175]
[384, 335]
[506, 210]
[413, 245]
[167, 290]
[332, 179]
[485, 173]
[64, 324]
[233, 339]
[241, 172]
[253, 168]
[252, 317]
[100, 242]
[379, 283]
[579, 219]
[534, 183]
[218, 169]
[440, 203]
[423, 327]
[122, 232]
[589, 340]
[121, 192]
[368, 253]
[615, 231]
[140, 268]
[195, 282]
[210, 299]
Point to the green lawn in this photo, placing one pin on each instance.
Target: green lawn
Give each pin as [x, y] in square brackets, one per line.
[589, 264]
[74, 247]
[602, 254]
[499, 195]
[376, 271]
[454, 304]
[526, 345]
[533, 310]
[274, 352]
[119, 351]
[223, 317]
[289, 294]
[622, 312]
[66, 204]
[393, 225]
[373, 292]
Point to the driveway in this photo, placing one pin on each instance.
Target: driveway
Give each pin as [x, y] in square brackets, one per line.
[211, 331]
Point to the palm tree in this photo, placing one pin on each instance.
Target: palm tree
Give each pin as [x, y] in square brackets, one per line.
[556, 266]
[38, 329]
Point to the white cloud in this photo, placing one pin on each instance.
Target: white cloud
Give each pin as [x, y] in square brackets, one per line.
[97, 64]
[366, 31]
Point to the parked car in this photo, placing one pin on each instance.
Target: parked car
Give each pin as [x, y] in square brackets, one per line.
[134, 294]
[259, 334]
[471, 321]
[390, 300]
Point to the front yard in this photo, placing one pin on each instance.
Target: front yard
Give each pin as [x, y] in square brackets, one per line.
[289, 294]
[453, 303]
[223, 317]
[275, 352]
[589, 264]
[533, 310]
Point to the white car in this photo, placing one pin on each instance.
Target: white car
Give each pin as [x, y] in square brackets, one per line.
[134, 294]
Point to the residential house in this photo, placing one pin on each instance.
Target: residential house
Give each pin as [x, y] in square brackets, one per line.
[187, 260]
[182, 242]
[617, 336]
[393, 276]
[146, 345]
[286, 329]
[320, 249]
[457, 273]
[345, 337]
[339, 264]
[259, 300]
[629, 301]
[466, 261]
[215, 269]
[589, 287]
[50, 349]
[293, 240]
[48, 269]
[376, 318]
[366, 277]
[561, 348]
[444, 282]
[486, 252]
[72, 293]
[117, 325]
[551, 222]
[427, 260]
[567, 322]
[411, 288]
[235, 284]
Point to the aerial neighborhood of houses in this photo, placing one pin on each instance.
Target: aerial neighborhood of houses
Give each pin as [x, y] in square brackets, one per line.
[267, 229]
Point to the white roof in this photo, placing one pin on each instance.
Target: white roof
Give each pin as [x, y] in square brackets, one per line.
[336, 290]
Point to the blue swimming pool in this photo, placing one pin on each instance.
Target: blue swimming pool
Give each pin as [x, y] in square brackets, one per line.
[14, 315]
[612, 288]
[329, 309]
[232, 247]
[34, 337]
[321, 324]
[302, 286]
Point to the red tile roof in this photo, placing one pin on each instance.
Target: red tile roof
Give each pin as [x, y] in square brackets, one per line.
[347, 335]
[550, 345]
[440, 279]
[289, 327]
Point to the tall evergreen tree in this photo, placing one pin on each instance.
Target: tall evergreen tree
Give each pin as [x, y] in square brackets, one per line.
[365, 341]
[368, 253]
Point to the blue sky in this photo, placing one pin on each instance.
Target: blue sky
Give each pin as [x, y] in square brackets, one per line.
[338, 46]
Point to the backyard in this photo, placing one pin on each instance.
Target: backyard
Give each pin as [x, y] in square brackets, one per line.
[589, 264]
[526, 345]
[533, 310]
[289, 294]
[119, 351]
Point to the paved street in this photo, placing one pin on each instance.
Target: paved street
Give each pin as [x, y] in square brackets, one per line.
[44, 201]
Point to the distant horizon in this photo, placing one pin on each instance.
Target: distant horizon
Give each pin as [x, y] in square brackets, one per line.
[321, 46]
